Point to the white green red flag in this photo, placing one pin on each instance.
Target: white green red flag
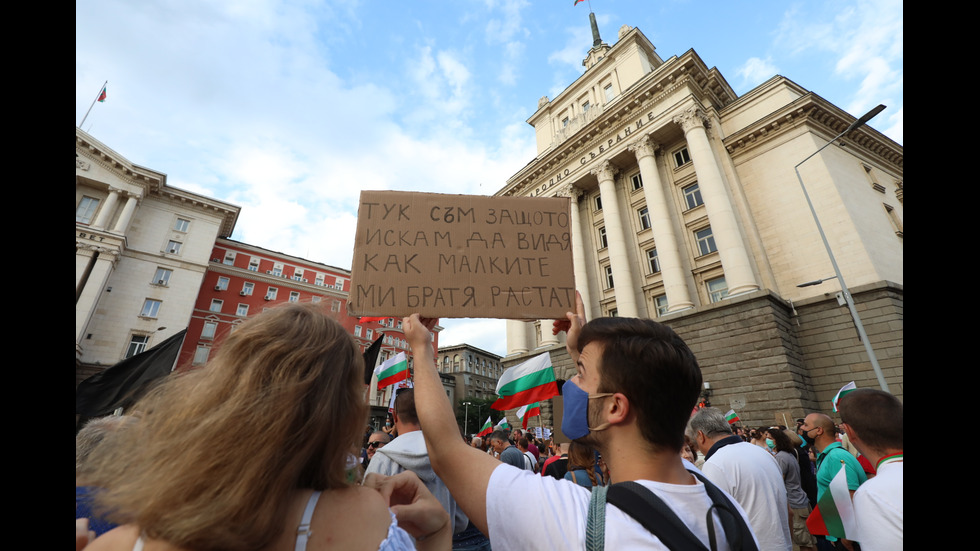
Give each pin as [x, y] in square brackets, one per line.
[392, 370]
[528, 411]
[486, 429]
[503, 423]
[844, 390]
[532, 381]
[102, 95]
[834, 513]
[732, 417]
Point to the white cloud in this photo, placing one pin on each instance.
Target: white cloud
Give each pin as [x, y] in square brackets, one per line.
[755, 71]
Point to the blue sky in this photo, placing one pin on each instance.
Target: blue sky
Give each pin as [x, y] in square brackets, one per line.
[290, 108]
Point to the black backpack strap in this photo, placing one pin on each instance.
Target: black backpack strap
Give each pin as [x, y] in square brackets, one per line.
[651, 511]
[737, 532]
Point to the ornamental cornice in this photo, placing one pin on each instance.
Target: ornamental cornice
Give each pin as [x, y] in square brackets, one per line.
[644, 147]
[821, 116]
[605, 171]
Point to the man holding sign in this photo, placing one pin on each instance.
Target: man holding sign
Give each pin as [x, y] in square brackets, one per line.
[630, 399]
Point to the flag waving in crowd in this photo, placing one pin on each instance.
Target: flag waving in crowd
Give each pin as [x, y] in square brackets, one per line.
[528, 411]
[834, 513]
[486, 429]
[392, 370]
[732, 417]
[844, 390]
[529, 382]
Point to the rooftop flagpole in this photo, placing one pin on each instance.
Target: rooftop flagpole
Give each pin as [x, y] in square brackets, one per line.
[98, 96]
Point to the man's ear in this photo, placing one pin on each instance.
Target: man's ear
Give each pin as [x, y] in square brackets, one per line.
[618, 408]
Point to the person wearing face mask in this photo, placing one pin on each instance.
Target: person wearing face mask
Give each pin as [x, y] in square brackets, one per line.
[635, 385]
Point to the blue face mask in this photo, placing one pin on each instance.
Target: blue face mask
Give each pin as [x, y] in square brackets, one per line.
[575, 418]
[770, 443]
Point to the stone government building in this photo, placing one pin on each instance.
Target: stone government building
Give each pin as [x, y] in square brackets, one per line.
[686, 209]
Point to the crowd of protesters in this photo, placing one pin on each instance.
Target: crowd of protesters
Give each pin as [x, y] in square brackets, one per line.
[266, 448]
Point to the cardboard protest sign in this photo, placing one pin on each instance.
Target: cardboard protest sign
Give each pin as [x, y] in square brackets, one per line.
[462, 256]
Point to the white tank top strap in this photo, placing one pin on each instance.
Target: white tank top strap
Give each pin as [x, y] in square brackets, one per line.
[303, 532]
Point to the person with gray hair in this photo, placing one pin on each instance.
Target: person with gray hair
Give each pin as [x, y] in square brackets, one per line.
[94, 438]
[747, 472]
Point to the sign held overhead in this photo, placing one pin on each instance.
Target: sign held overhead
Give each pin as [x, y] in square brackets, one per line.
[462, 256]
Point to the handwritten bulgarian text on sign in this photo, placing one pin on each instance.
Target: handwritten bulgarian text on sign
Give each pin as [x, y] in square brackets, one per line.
[462, 256]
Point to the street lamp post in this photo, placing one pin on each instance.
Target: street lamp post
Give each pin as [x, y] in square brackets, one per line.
[847, 295]
[466, 418]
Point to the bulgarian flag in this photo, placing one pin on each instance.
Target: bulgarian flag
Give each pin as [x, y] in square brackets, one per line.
[102, 95]
[834, 513]
[528, 411]
[392, 370]
[532, 381]
[486, 429]
[732, 417]
[844, 390]
[503, 423]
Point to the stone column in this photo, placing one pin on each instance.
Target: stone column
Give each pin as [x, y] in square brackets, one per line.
[578, 246]
[517, 337]
[721, 212]
[668, 252]
[88, 298]
[110, 205]
[548, 339]
[618, 255]
[127, 215]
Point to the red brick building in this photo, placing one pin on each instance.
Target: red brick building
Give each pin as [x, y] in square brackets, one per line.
[243, 280]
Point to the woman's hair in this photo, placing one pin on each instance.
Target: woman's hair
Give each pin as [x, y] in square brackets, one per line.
[581, 456]
[219, 451]
[782, 441]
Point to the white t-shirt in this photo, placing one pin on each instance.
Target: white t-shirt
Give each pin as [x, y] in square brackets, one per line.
[526, 512]
[752, 476]
[878, 508]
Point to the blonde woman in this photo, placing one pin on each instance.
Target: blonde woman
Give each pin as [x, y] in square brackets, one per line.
[251, 452]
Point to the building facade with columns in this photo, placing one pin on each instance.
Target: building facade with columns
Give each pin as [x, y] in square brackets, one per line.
[141, 252]
[475, 370]
[686, 209]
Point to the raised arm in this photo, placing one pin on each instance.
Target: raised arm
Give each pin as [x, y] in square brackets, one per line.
[465, 470]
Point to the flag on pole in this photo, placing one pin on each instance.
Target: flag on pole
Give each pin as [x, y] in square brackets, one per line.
[503, 423]
[843, 390]
[102, 95]
[577, 1]
[486, 429]
[834, 513]
[528, 411]
[732, 417]
[392, 370]
[529, 382]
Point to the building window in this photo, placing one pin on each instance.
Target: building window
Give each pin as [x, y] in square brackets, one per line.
[369, 334]
[319, 279]
[644, 215]
[216, 305]
[85, 210]
[272, 293]
[637, 181]
[895, 220]
[357, 330]
[564, 122]
[201, 355]
[137, 344]
[162, 276]
[316, 299]
[222, 284]
[717, 289]
[335, 306]
[692, 195]
[181, 225]
[173, 247]
[247, 288]
[585, 108]
[210, 328]
[603, 240]
[660, 303]
[653, 262]
[253, 265]
[230, 258]
[242, 310]
[682, 157]
[706, 241]
[608, 90]
[277, 269]
[609, 277]
[151, 308]
[598, 202]
[294, 296]
[613, 312]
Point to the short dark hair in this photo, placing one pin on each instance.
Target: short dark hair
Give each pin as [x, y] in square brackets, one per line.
[405, 406]
[652, 366]
[877, 416]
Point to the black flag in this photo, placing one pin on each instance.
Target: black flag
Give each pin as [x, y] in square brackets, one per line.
[125, 382]
[371, 357]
